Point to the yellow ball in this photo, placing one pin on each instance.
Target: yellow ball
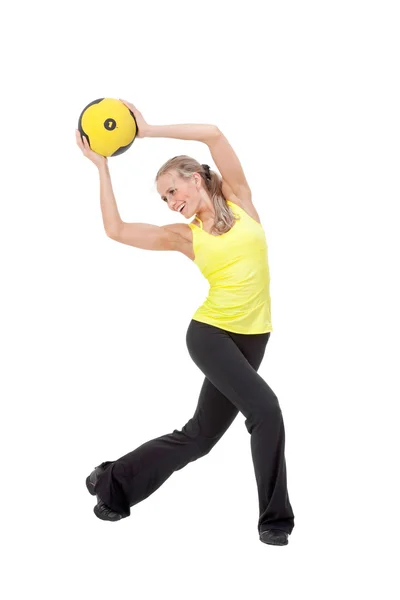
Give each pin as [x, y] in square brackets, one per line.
[109, 125]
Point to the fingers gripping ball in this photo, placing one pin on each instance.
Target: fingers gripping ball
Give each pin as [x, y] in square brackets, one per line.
[109, 126]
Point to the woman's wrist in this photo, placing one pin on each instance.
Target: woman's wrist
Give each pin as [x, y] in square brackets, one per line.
[146, 131]
[103, 166]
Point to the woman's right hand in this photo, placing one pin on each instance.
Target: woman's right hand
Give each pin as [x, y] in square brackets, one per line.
[142, 125]
[83, 144]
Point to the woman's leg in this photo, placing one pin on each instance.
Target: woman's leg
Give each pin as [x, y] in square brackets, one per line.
[136, 475]
[221, 356]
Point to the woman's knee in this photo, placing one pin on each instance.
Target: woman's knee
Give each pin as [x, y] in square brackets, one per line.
[266, 411]
[202, 442]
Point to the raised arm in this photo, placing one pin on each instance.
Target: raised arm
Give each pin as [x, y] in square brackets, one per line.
[224, 156]
[139, 235]
[148, 237]
[109, 210]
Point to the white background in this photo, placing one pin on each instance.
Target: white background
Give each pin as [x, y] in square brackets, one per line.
[93, 332]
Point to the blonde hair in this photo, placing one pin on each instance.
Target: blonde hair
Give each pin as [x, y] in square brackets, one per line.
[185, 167]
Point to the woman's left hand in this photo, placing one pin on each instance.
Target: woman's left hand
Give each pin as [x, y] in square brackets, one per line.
[83, 144]
[143, 126]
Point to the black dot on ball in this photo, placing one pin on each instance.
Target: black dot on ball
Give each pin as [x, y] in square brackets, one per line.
[110, 124]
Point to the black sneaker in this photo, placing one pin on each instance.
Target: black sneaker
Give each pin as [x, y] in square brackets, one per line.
[104, 512]
[101, 510]
[276, 537]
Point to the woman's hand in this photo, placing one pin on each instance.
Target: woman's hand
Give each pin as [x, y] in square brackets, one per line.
[83, 144]
[143, 127]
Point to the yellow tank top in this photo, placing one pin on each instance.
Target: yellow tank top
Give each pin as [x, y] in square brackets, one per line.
[236, 266]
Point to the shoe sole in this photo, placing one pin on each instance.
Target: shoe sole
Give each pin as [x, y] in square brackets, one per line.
[270, 543]
[274, 543]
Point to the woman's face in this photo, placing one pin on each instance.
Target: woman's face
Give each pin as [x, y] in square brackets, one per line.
[176, 191]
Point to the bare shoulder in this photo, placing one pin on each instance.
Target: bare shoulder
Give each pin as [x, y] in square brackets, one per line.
[184, 238]
[181, 229]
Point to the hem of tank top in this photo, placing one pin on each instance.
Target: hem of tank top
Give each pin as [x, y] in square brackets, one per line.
[231, 331]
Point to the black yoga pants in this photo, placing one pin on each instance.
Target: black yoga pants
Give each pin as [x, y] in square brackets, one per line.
[230, 362]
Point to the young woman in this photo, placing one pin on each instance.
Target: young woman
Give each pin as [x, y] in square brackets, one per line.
[226, 337]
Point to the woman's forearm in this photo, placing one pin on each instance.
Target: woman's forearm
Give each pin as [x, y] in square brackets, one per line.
[109, 209]
[198, 133]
